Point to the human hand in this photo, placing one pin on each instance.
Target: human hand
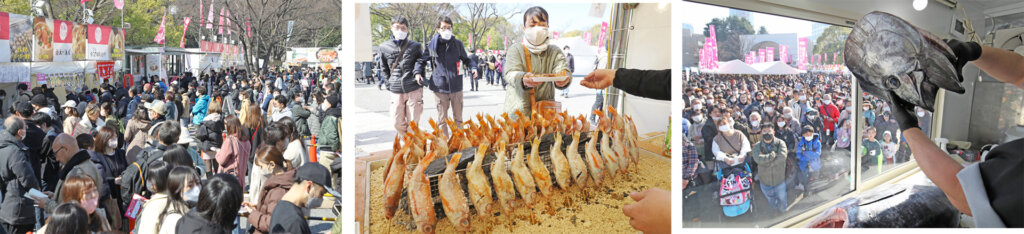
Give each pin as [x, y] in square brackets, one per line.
[528, 80]
[685, 183]
[901, 112]
[474, 74]
[41, 202]
[419, 79]
[965, 52]
[599, 79]
[652, 212]
[563, 83]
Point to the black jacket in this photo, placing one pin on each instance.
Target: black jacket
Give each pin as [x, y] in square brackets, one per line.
[444, 55]
[656, 84]
[16, 178]
[192, 223]
[401, 78]
[34, 140]
[209, 133]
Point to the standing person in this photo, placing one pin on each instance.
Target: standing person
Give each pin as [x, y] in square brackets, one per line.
[402, 61]
[233, 156]
[279, 179]
[770, 154]
[200, 108]
[16, 178]
[330, 124]
[216, 208]
[533, 55]
[500, 65]
[830, 116]
[572, 68]
[808, 152]
[209, 136]
[183, 187]
[445, 54]
[68, 218]
[84, 191]
[482, 67]
[311, 182]
[111, 162]
[74, 161]
[474, 81]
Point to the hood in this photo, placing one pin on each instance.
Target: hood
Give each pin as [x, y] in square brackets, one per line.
[6, 139]
[283, 181]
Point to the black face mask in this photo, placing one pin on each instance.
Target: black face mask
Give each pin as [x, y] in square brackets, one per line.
[768, 137]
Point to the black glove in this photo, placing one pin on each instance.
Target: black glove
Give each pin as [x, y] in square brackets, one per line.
[965, 52]
[902, 112]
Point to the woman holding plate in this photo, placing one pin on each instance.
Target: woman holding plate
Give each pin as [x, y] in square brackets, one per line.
[534, 56]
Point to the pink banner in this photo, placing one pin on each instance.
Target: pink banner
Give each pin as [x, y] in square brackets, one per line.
[209, 17]
[185, 31]
[783, 53]
[771, 53]
[801, 53]
[159, 39]
[760, 55]
[604, 31]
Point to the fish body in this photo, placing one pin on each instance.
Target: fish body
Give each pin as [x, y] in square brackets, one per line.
[540, 172]
[560, 164]
[595, 162]
[421, 204]
[394, 182]
[522, 176]
[453, 199]
[479, 187]
[577, 166]
[503, 185]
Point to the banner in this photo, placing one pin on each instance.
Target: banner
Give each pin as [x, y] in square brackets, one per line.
[770, 54]
[783, 53]
[119, 4]
[104, 70]
[470, 40]
[554, 35]
[15, 38]
[220, 23]
[488, 42]
[604, 32]
[760, 55]
[159, 38]
[98, 46]
[52, 41]
[209, 17]
[5, 37]
[801, 53]
[79, 39]
[154, 66]
[185, 31]
[586, 37]
[117, 44]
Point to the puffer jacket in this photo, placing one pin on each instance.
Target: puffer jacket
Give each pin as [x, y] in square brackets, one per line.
[771, 161]
[199, 110]
[209, 132]
[444, 56]
[301, 117]
[402, 79]
[809, 152]
[273, 189]
[16, 177]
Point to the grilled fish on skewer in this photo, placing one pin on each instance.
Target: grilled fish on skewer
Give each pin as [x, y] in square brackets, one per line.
[479, 187]
[540, 172]
[594, 160]
[577, 166]
[420, 202]
[503, 185]
[393, 182]
[524, 179]
[395, 152]
[560, 164]
[453, 199]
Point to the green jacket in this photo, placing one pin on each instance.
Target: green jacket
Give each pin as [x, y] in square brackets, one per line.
[771, 161]
[329, 133]
[517, 97]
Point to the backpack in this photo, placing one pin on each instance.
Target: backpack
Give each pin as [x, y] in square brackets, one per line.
[133, 180]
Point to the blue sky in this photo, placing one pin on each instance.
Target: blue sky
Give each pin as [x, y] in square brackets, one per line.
[564, 16]
[698, 14]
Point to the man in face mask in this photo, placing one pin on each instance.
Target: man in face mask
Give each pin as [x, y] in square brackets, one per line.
[73, 161]
[445, 53]
[312, 181]
[16, 177]
[770, 155]
[402, 62]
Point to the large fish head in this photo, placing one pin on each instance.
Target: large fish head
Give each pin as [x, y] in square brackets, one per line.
[893, 59]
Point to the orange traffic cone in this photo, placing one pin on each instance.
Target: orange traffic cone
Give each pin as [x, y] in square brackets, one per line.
[312, 149]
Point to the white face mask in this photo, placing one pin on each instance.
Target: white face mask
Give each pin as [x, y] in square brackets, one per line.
[811, 117]
[782, 124]
[698, 106]
[808, 138]
[698, 118]
[865, 109]
[827, 102]
[755, 123]
[715, 118]
[803, 98]
[325, 106]
[724, 128]
[445, 34]
[112, 144]
[768, 109]
[399, 34]
[920, 114]
[192, 195]
[536, 35]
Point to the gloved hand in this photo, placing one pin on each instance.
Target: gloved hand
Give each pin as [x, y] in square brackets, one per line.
[965, 52]
[902, 112]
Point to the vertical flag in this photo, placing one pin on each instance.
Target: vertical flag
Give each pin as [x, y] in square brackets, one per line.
[201, 19]
[835, 58]
[209, 17]
[471, 40]
[229, 22]
[783, 53]
[604, 31]
[771, 54]
[220, 22]
[760, 55]
[83, 1]
[505, 42]
[488, 42]
[119, 4]
[185, 31]
[554, 35]
[586, 37]
[248, 29]
[159, 39]
[801, 53]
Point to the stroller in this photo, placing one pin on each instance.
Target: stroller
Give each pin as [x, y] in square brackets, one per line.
[734, 190]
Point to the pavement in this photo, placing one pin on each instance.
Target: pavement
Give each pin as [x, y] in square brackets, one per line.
[375, 130]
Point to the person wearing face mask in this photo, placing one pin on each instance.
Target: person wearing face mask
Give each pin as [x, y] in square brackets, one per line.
[445, 52]
[402, 62]
[183, 187]
[869, 114]
[16, 177]
[813, 120]
[199, 109]
[216, 208]
[730, 146]
[279, 179]
[83, 190]
[111, 162]
[808, 153]
[572, 67]
[311, 182]
[233, 156]
[784, 132]
[830, 116]
[843, 136]
[770, 155]
[73, 162]
[755, 121]
[533, 55]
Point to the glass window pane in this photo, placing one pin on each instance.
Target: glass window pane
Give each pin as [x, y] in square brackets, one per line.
[738, 177]
[882, 144]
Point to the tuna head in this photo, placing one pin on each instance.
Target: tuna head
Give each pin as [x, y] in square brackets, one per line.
[893, 59]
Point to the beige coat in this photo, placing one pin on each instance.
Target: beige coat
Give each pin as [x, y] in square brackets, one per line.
[517, 97]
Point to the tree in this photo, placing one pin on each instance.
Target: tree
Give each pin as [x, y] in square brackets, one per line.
[832, 40]
[481, 17]
[728, 31]
[762, 30]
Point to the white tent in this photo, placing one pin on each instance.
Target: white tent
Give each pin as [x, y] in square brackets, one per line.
[776, 68]
[583, 54]
[735, 67]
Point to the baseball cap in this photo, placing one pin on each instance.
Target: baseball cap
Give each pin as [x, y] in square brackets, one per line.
[70, 103]
[157, 106]
[318, 174]
[39, 100]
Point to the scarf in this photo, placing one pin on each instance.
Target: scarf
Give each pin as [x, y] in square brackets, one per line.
[78, 158]
[536, 49]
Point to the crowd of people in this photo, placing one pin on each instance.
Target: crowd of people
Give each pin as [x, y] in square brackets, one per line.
[882, 141]
[153, 156]
[768, 122]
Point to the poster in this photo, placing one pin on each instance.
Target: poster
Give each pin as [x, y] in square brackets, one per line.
[78, 40]
[52, 41]
[116, 44]
[153, 65]
[40, 79]
[98, 46]
[15, 38]
[104, 70]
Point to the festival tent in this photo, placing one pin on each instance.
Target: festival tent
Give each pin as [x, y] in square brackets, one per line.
[735, 66]
[776, 68]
